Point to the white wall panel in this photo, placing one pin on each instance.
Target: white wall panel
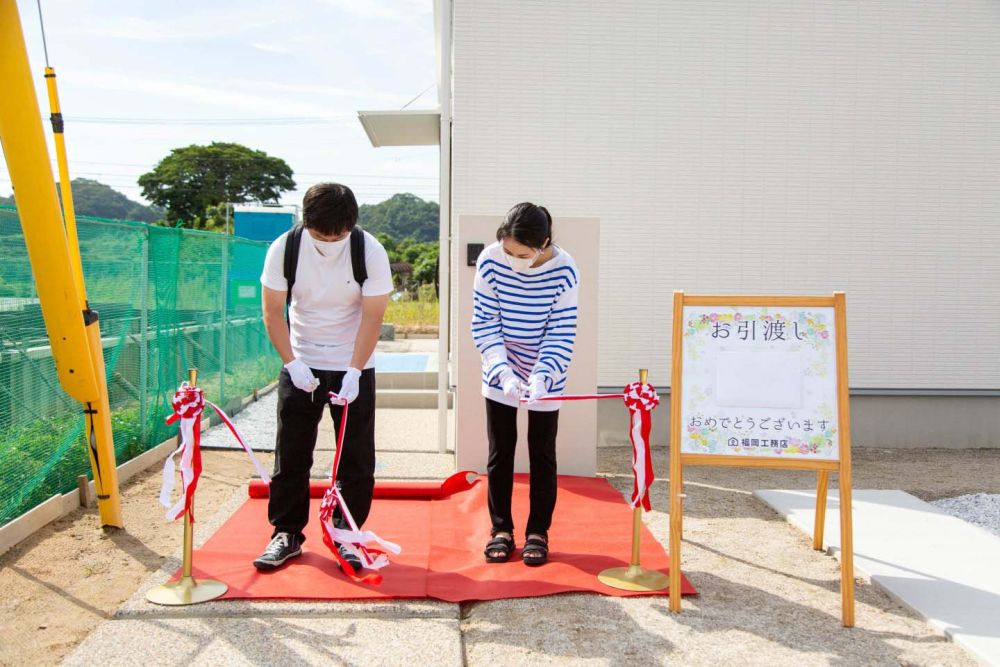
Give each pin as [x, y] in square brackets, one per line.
[754, 147]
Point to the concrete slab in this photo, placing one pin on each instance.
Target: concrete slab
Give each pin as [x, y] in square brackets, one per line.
[137, 607]
[421, 399]
[394, 465]
[272, 641]
[395, 429]
[414, 465]
[404, 345]
[400, 430]
[137, 618]
[944, 569]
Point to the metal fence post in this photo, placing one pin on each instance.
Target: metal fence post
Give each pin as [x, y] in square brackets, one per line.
[225, 316]
[144, 341]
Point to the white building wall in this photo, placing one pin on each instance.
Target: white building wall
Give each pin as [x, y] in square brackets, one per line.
[754, 147]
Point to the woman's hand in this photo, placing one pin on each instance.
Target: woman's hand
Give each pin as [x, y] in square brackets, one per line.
[536, 388]
[511, 385]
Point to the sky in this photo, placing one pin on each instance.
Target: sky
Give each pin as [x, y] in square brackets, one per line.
[137, 79]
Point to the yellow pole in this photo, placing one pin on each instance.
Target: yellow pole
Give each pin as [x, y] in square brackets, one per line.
[187, 590]
[675, 453]
[72, 328]
[635, 577]
[637, 511]
[844, 474]
[822, 484]
[69, 210]
[188, 527]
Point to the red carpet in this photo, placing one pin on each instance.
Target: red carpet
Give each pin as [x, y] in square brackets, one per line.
[442, 544]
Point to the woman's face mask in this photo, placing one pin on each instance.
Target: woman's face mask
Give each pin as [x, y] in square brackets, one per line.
[522, 264]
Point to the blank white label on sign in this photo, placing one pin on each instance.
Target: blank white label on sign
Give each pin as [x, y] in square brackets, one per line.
[758, 379]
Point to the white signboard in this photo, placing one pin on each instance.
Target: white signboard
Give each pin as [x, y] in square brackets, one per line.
[760, 381]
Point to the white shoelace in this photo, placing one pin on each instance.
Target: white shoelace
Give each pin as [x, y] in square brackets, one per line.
[279, 542]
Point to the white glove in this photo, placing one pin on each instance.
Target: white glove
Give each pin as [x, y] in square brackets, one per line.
[536, 388]
[511, 385]
[302, 377]
[349, 386]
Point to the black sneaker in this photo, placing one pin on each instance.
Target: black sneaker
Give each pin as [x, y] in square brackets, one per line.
[350, 556]
[282, 547]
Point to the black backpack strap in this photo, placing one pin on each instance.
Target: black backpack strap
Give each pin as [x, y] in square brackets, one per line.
[358, 256]
[292, 244]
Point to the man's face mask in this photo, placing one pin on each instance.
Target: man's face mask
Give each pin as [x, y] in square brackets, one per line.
[522, 264]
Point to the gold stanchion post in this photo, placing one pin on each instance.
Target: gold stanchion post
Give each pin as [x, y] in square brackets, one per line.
[635, 577]
[187, 590]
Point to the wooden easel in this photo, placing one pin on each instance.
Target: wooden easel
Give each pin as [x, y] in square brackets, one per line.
[822, 467]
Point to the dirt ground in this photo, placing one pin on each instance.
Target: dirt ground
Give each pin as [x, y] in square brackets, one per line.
[765, 594]
[56, 586]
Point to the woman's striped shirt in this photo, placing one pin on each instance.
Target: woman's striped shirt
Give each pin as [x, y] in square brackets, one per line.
[525, 321]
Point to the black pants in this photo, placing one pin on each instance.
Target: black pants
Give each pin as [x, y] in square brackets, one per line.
[299, 414]
[501, 427]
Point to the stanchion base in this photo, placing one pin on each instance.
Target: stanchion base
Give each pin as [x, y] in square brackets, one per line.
[187, 591]
[634, 578]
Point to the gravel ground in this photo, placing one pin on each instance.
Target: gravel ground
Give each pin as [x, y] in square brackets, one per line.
[766, 598]
[980, 509]
[256, 423]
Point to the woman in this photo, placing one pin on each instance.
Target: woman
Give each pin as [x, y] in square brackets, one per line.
[524, 325]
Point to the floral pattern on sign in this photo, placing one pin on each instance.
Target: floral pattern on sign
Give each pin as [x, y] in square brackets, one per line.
[797, 421]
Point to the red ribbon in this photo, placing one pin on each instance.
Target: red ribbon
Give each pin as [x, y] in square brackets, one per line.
[188, 404]
[640, 399]
[370, 556]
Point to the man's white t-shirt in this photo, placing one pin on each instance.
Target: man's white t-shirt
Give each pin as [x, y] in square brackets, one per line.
[325, 314]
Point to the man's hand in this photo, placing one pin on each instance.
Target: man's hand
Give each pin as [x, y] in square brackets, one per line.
[349, 386]
[536, 388]
[511, 385]
[302, 377]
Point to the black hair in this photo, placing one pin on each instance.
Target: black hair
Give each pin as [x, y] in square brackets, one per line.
[329, 208]
[528, 224]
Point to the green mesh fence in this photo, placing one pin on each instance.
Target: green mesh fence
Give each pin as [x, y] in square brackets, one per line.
[168, 299]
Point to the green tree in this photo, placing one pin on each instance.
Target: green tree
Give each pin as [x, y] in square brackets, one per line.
[96, 199]
[402, 216]
[191, 179]
[422, 256]
[214, 219]
[425, 269]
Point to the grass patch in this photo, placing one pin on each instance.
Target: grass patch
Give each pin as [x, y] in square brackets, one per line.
[415, 316]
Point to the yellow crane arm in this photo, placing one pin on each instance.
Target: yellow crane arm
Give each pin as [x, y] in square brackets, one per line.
[72, 327]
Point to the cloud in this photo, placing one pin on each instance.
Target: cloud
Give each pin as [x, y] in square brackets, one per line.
[280, 49]
[366, 94]
[385, 10]
[215, 95]
[206, 25]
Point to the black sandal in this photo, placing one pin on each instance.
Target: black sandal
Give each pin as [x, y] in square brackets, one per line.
[498, 543]
[535, 551]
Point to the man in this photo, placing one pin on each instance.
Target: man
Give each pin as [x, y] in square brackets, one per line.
[327, 344]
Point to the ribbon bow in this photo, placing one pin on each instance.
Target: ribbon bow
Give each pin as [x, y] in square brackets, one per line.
[189, 404]
[641, 399]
